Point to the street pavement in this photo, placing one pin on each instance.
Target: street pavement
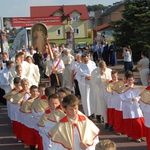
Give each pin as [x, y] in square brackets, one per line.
[9, 142]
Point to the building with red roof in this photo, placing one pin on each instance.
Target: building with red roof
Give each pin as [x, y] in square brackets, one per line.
[75, 15]
[111, 13]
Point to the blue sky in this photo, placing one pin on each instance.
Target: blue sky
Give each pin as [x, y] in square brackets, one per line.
[21, 8]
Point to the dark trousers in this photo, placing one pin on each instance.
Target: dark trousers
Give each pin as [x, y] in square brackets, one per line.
[54, 80]
[76, 88]
[95, 56]
[113, 59]
[2, 93]
[32, 148]
[127, 66]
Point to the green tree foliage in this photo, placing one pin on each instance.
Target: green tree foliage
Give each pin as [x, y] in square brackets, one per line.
[95, 7]
[134, 28]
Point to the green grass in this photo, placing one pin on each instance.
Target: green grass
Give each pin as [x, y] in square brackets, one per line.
[89, 40]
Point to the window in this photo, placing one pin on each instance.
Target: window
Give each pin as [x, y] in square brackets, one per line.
[76, 31]
[75, 18]
[58, 32]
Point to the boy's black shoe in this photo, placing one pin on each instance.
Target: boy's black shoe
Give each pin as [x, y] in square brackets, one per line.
[106, 125]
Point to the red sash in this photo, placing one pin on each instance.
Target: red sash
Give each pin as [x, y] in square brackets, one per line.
[74, 74]
[56, 64]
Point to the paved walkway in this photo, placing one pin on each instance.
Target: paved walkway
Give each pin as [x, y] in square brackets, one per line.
[9, 142]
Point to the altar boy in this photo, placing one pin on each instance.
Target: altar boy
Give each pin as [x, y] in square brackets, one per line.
[74, 131]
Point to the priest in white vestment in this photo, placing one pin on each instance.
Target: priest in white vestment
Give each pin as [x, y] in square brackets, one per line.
[19, 60]
[85, 84]
[67, 59]
[34, 75]
[100, 77]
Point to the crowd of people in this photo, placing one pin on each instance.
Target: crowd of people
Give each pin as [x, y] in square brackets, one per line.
[48, 116]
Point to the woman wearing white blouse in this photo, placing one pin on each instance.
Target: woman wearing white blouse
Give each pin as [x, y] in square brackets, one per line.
[127, 54]
[143, 66]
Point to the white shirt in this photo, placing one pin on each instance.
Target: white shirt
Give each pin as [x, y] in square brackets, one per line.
[53, 63]
[131, 109]
[146, 112]
[74, 66]
[127, 56]
[144, 62]
[6, 80]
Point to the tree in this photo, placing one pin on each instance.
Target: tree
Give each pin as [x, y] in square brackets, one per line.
[134, 28]
[95, 7]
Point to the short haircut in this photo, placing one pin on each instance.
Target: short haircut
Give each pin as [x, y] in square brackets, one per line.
[4, 53]
[88, 52]
[24, 50]
[128, 72]
[55, 51]
[129, 76]
[42, 85]
[53, 96]
[17, 67]
[49, 90]
[85, 54]
[78, 55]
[62, 90]
[33, 87]
[65, 90]
[19, 55]
[102, 64]
[144, 53]
[30, 57]
[114, 72]
[105, 145]
[17, 80]
[8, 63]
[68, 91]
[24, 80]
[70, 100]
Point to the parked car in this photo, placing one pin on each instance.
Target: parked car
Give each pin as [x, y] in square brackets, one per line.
[81, 44]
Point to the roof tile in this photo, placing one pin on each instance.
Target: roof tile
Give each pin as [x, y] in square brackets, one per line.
[45, 11]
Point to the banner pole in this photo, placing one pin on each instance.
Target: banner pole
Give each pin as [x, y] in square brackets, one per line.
[1, 39]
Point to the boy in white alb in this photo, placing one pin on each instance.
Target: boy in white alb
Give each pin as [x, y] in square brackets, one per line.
[39, 107]
[74, 131]
[111, 92]
[53, 101]
[132, 114]
[17, 100]
[27, 135]
[145, 107]
[16, 89]
[50, 118]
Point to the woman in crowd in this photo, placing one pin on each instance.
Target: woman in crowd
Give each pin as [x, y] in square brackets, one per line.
[143, 66]
[127, 54]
